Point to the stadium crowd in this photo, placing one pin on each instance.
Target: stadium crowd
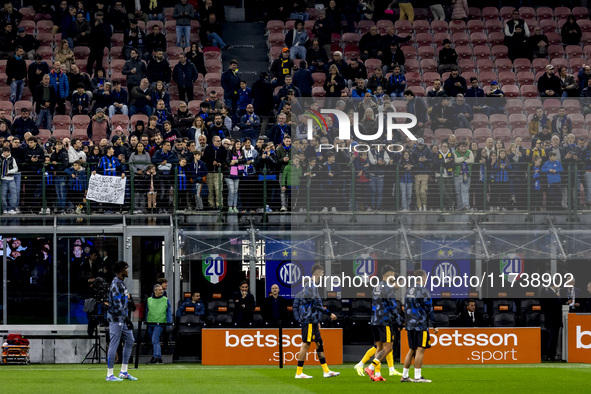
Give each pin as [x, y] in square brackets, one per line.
[117, 96]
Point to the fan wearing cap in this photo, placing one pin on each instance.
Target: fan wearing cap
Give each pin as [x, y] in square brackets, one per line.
[549, 83]
[27, 41]
[448, 58]
[281, 67]
[496, 99]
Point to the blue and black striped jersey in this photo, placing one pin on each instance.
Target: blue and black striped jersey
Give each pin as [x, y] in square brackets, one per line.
[418, 309]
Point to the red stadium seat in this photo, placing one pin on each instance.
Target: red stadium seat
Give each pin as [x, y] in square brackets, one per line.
[477, 38]
[507, 77]
[117, 39]
[517, 121]
[276, 39]
[574, 51]
[401, 28]
[561, 12]
[480, 135]
[463, 134]
[428, 136]
[475, 26]
[439, 26]
[581, 133]
[419, 91]
[319, 79]
[578, 120]
[530, 106]
[424, 39]
[134, 119]
[44, 26]
[498, 120]
[213, 79]
[544, 13]
[527, 12]
[554, 38]
[503, 134]
[522, 65]
[28, 25]
[572, 106]
[539, 65]
[441, 134]
[19, 105]
[170, 26]
[426, 52]
[413, 78]
[318, 92]
[174, 53]
[469, 65]
[213, 66]
[500, 51]
[482, 52]
[350, 39]
[308, 26]
[60, 134]
[428, 65]
[581, 12]
[117, 64]
[44, 135]
[80, 121]
[420, 26]
[522, 133]
[496, 38]
[576, 64]
[529, 91]
[474, 13]
[457, 26]
[410, 52]
[503, 65]
[193, 105]
[585, 25]
[551, 105]
[559, 62]
[81, 53]
[479, 121]
[46, 39]
[81, 134]
[461, 38]
[486, 77]
[525, 78]
[510, 91]
[412, 64]
[464, 51]
[490, 13]
[363, 26]
[430, 77]
[439, 37]
[372, 64]
[548, 25]
[555, 51]
[275, 26]
[506, 12]
[120, 120]
[514, 106]
[493, 26]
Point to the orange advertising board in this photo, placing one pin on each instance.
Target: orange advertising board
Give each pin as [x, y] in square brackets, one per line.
[579, 338]
[481, 346]
[254, 346]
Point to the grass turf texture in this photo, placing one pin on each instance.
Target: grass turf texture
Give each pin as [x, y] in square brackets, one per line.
[194, 378]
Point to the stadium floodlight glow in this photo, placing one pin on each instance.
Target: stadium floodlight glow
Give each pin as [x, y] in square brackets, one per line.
[345, 125]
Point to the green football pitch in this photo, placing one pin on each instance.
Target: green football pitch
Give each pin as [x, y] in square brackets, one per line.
[194, 378]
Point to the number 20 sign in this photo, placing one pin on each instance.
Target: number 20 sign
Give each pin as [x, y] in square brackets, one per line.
[214, 267]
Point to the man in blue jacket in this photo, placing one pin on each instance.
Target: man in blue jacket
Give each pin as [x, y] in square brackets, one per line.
[195, 303]
[59, 80]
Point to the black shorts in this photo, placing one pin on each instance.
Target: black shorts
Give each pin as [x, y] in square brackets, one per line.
[311, 333]
[382, 334]
[418, 339]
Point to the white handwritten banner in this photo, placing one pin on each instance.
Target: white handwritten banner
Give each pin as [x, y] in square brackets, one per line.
[109, 189]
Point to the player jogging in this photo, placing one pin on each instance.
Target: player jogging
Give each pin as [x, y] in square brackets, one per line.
[118, 317]
[418, 308]
[307, 309]
[384, 320]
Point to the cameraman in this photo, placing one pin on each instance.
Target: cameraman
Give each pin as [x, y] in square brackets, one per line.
[119, 322]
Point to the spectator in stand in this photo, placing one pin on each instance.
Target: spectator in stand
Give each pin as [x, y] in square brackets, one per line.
[118, 17]
[436, 92]
[44, 99]
[195, 56]
[459, 10]
[214, 157]
[7, 41]
[119, 98]
[164, 159]
[76, 77]
[9, 169]
[195, 302]
[378, 79]
[61, 11]
[316, 57]
[397, 83]
[24, 124]
[80, 101]
[463, 159]
[437, 11]
[231, 84]
[275, 307]
[82, 30]
[183, 119]
[538, 44]
[27, 41]
[154, 9]
[359, 91]
[422, 158]
[583, 76]
[16, 72]
[322, 31]
[155, 40]
[553, 169]
[394, 57]
[461, 112]
[355, 70]
[185, 75]
[476, 98]
[518, 45]
[68, 26]
[455, 84]
[297, 41]
[158, 69]
[513, 22]
[134, 69]
[549, 83]
[59, 159]
[417, 107]
[337, 59]
[59, 81]
[244, 98]
[571, 32]
[371, 45]
[538, 122]
[65, 55]
[496, 99]
[406, 10]
[262, 99]
[140, 98]
[211, 31]
[250, 124]
[448, 58]
[441, 116]
[281, 67]
[134, 39]
[98, 80]
[161, 112]
[568, 84]
[302, 79]
[100, 38]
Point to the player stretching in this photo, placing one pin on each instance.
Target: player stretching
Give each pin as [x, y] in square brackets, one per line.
[384, 318]
[418, 308]
[307, 309]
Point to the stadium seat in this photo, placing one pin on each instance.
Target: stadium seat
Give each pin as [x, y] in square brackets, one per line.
[351, 52]
[80, 121]
[527, 12]
[19, 105]
[213, 66]
[496, 38]
[554, 38]
[581, 12]
[514, 106]
[525, 78]
[479, 121]
[486, 77]
[424, 39]
[468, 65]
[475, 26]
[402, 27]
[571, 106]
[578, 120]
[372, 64]
[548, 25]
[137, 117]
[539, 65]
[481, 52]
[555, 51]
[507, 78]
[522, 133]
[120, 120]
[426, 52]
[500, 51]
[581, 133]
[506, 12]
[477, 38]
[517, 121]
[276, 39]
[461, 39]
[493, 26]
[319, 79]
[413, 78]
[350, 39]
[522, 65]
[170, 26]
[529, 91]
[503, 134]
[318, 91]
[441, 134]
[489, 13]
[575, 64]
[498, 121]
[430, 77]
[308, 25]
[463, 133]
[212, 53]
[439, 37]
[573, 51]
[530, 105]
[61, 121]
[419, 91]
[504, 320]
[481, 134]
[561, 12]
[81, 134]
[410, 52]
[559, 62]
[474, 13]
[503, 65]
[428, 136]
[61, 133]
[544, 13]
[551, 105]
[412, 64]
[420, 26]
[439, 26]
[510, 91]
[429, 65]
[275, 26]
[44, 135]
[464, 52]
[457, 26]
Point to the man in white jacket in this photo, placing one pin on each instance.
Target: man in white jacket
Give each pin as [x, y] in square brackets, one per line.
[8, 168]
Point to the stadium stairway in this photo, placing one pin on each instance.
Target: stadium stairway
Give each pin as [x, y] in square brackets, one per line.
[248, 46]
